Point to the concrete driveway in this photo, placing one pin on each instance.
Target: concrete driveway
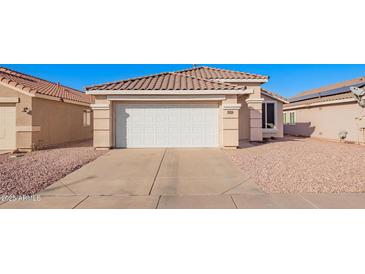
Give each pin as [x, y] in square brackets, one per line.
[152, 172]
[171, 178]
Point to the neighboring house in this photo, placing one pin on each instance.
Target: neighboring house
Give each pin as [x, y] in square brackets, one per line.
[36, 113]
[199, 107]
[330, 112]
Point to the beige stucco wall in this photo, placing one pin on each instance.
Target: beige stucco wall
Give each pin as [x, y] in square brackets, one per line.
[244, 119]
[230, 122]
[103, 133]
[239, 116]
[104, 127]
[23, 119]
[59, 122]
[250, 115]
[47, 122]
[254, 103]
[327, 121]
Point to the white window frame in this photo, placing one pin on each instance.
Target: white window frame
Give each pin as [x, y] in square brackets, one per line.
[288, 121]
[295, 118]
[86, 118]
[275, 115]
[285, 117]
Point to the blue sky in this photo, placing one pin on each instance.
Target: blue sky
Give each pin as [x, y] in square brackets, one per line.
[287, 80]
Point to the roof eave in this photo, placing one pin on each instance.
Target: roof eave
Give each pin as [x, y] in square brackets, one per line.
[63, 100]
[275, 97]
[34, 92]
[31, 92]
[168, 92]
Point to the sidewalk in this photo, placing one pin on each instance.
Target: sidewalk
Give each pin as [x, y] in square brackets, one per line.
[240, 201]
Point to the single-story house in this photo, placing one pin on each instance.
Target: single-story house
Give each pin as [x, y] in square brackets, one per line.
[198, 107]
[35, 113]
[331, 112]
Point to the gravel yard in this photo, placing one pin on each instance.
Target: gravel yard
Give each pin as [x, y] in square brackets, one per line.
[303, 165]
[36, 170]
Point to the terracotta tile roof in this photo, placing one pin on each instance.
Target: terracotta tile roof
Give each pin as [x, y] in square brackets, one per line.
[165, 81]
[215, 73]
[35, 85]
[274, 95]
[329, 87]
[341, 96]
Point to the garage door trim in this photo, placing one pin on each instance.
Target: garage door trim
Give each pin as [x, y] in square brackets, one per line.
[166, 125]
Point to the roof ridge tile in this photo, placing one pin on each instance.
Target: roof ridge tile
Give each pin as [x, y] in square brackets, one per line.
[225, 70]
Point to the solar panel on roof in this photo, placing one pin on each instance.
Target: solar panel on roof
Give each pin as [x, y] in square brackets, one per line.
[326, 93]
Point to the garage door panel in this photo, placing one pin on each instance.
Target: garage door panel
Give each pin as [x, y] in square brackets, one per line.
[167, 125]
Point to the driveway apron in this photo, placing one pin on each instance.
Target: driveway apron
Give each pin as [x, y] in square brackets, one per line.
[195, 172]
[119, 172]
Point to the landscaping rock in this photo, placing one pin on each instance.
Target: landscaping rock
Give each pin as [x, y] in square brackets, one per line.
[36, 170]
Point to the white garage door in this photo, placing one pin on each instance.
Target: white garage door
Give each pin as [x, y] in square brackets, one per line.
[7, 127]
[162, 125]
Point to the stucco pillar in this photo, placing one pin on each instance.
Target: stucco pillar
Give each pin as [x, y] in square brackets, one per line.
[254, 103]
[230, 109]
[102, 112]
